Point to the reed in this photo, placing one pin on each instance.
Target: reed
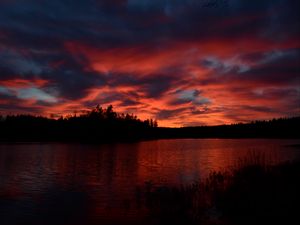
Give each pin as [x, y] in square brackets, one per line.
[251, 192]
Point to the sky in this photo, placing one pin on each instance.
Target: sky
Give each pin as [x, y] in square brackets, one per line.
[181, 62]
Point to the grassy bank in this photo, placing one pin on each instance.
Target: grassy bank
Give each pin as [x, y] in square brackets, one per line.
[250, 193]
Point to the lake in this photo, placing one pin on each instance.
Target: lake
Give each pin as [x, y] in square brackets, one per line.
[99, 184]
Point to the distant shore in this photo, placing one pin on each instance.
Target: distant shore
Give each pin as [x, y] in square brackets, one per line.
[275, 129]
[106, 126]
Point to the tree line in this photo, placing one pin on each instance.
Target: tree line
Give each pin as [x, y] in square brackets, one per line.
[98, 124]
[106, 125]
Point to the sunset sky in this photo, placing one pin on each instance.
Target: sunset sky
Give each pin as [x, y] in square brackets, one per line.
[182, 62]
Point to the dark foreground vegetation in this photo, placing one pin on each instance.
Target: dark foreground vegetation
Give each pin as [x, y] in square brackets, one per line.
[249, 194]
[102, 125]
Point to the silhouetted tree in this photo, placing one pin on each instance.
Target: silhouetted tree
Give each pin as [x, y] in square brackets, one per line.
[101, 125]
[97, 124]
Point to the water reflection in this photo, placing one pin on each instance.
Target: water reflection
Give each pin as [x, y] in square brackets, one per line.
[69, 184]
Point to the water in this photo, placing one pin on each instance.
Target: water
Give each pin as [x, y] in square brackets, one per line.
[71, 183]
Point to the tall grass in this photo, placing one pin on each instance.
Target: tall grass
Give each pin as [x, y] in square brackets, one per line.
[251, 192]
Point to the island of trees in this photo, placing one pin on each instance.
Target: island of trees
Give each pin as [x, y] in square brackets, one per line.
[106, 125]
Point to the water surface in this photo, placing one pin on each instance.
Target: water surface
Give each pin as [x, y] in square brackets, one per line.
[71, 183]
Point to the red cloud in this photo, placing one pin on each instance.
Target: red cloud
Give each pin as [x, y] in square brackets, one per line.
[22, 83]
[230, 95]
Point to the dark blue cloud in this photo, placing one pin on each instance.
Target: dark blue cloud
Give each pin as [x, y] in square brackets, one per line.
[107, 23]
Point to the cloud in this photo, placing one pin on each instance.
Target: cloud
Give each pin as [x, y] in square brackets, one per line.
[183, 97]
[35, 93]
[167, 114]
[182, 62]
[19, 64]
[14, 90]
